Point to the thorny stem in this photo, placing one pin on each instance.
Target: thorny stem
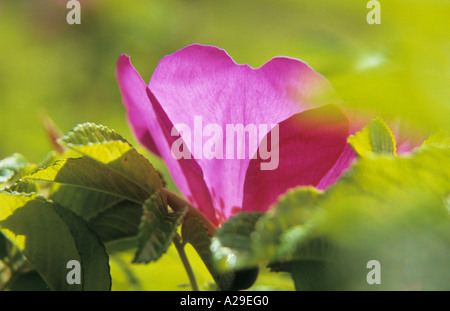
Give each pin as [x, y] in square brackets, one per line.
[186, 264]
[177, 203]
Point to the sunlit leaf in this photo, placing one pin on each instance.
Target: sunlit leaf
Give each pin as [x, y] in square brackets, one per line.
[89, 174]
[107, 186]
[109, 148]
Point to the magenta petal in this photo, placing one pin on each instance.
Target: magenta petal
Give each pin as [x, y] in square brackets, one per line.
[196, 192]
[339, 168]
[203, 81]
[151, 131]
[310, 144]
[139, 110]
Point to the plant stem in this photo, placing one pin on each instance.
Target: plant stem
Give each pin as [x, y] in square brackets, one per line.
[186, 264]
[177, 203]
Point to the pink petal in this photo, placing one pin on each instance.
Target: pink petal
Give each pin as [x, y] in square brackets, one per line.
[151, 129]
[197, 192]
[203, 81]
[339, 168]
[140, 113]
[310, 144]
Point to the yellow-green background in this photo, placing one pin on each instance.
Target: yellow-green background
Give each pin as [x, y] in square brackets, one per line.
[398, 68]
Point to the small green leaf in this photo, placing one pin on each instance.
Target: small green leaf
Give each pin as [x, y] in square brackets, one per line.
[11, 166]
[49, 236]
[25, 186]
[232, 243]
[376, 138]
[109, 148]
[157, 229]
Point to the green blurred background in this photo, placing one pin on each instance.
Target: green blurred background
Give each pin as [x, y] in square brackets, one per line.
[399, 68]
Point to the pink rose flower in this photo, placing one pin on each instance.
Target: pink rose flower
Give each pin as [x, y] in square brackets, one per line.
[235, 138]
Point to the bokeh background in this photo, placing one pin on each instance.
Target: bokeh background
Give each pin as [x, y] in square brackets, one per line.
[397, 69]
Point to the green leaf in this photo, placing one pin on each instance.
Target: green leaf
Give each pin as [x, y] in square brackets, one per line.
[284, 232]
[118, 221]
[440, 138]
[3, 247]
[86, 203]
[376, 138]
[380, 181]
[109, 148]
[157, 229]
[107, 186]
[392, 210]
[110, 217]
[29, 281]
[312, 275]
[94, 259]
[90, 174]
[49, 236]
[383, 186]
